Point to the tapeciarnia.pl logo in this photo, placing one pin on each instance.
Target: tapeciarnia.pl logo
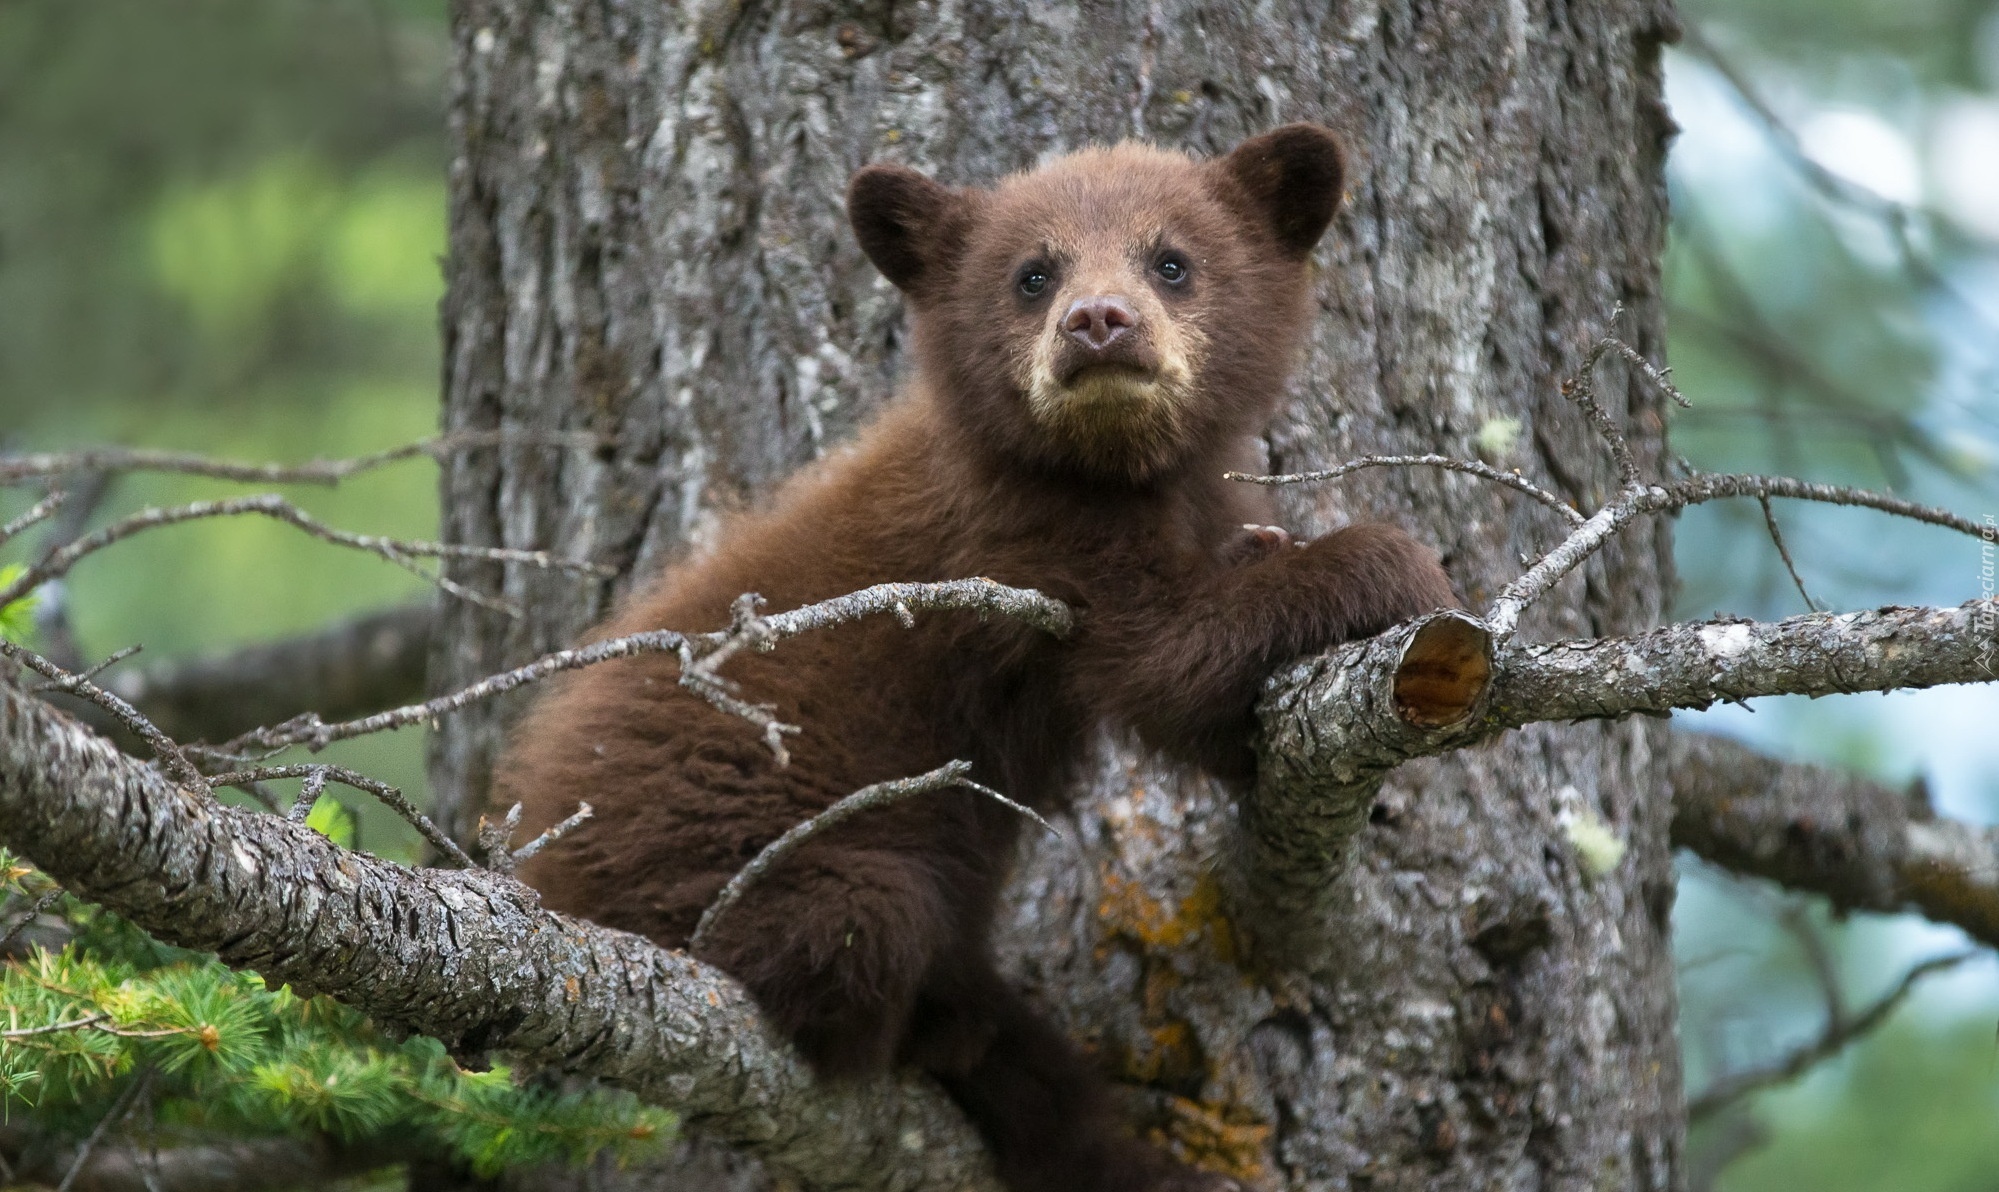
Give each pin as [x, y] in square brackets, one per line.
[1986, 621]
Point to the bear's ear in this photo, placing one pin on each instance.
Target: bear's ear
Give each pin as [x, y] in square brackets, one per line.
[1292, 178]
[909, 226]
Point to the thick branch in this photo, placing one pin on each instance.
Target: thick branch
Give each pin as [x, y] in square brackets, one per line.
[352, 668]
[1335, 725]
[1860, 844]
[465, 955]
[1332, 730]
[1699, 664]
[248, 1165]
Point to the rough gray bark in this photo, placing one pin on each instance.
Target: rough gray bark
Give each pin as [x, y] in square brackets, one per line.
[466, 956]
[647, 244]
[1862, 845]
[470, 958]
[1334, 726]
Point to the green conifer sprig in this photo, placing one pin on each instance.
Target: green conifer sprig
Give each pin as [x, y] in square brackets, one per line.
[224, 1054]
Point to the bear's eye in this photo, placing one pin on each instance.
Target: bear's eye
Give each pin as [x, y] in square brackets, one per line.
[1172, 269]
[1033, 279]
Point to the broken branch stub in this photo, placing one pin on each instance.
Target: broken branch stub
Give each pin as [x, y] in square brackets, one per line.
[1404, 694]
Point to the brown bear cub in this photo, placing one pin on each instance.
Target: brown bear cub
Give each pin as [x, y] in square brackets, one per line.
[1096, 342]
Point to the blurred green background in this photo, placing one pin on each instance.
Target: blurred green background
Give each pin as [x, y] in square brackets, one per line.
[219, 229]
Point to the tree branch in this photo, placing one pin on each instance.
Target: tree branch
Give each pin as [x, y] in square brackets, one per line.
[1839, 1032]
[467, 956]
[700, 655]
[1334, 726]
[881, 794]
[16, 469]
[352, 668]
[251, 1165]
[1860, 844]
[402, 552]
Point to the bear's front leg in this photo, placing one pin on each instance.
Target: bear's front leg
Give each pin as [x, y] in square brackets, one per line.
[833, 943]
[1183, 667]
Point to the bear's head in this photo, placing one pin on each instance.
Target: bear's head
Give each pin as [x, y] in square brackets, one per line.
[1116, 311]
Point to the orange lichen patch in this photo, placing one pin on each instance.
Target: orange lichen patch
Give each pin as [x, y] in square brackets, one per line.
[1216, 1137]
[1127, 909]
[1168, 1055]
[1160, 982]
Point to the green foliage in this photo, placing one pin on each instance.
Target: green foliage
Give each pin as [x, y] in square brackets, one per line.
[331, 820]
[17, 620]
[232, 250]
[1917, 1110]
[222, 1053]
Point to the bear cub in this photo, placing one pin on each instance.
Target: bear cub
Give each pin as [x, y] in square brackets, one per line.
[1095, 343]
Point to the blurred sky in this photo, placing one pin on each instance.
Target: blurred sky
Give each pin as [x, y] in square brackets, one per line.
[1834, 282]
[219, 229]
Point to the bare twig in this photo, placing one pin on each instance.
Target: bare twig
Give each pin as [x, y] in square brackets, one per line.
[113, 1116]
[1640, 500]
[15, 469]
[309, 791]
[1660, 377]
[164, 748]
[29, 1032]
[389, 796]
[583, 812]
[1796, 919]
[401, 552]
[352, 668]
[47, 900]
[309, 730]
[701, 658]
[69, 682]
[40, 512]
[87, 492]
[977, 595]
[1636, 498]
[1784, 552]
[1581, 389]
[881, 794]
[495, 839]
[1512, 480]
[1839, 1032]
[705, 654]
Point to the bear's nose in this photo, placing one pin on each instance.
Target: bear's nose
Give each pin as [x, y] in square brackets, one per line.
[1097, 322]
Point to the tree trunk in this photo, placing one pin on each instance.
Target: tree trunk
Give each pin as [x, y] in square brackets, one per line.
[648, 243]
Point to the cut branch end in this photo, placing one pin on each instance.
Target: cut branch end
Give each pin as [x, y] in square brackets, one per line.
[1445, 670]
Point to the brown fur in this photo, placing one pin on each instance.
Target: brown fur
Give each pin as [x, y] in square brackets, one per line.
[1021, 453]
